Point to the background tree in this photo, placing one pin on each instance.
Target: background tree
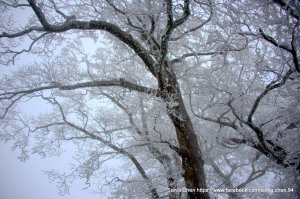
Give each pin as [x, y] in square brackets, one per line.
[162, 70]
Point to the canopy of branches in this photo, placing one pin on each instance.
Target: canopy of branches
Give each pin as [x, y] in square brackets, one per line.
[182, 94]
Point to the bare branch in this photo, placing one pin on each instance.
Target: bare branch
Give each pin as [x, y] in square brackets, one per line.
[290, 10]
[16, 53]
[273, 85]
[58, 11]
[21, 33]
[219, 120]
[95, 136]
[115, 7]
[39, 13]
[87, 25]
[11, 104]
[294, 49]
[187, 55]
[274, 42]
[255, 173]
[14, 5]
[171, 25]
[196, 27]
[185, 15]
[101, 83]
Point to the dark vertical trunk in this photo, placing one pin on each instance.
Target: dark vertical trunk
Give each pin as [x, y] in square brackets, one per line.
[190, 152]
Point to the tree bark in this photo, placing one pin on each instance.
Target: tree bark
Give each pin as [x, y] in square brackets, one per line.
[190, 152]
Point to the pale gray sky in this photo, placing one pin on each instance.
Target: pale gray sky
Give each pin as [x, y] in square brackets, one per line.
[19, 180]
[26, 180]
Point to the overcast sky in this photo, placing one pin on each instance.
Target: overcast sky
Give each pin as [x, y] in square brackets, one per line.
[26, 180]
[20, 180]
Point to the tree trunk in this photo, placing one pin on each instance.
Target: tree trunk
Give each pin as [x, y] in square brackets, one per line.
[190, 152]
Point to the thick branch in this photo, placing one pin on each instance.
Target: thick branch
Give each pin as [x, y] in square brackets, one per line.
[186, 13]
[274, 42]
[101, 83]
[16, 5]
[284, 5]
[187, 55]
[87, 25]
[21, 33]
[273, 85]
[261, 145]
[196, 27]
[39, 13]
[292, 50]
[171, 25]
[219, 120]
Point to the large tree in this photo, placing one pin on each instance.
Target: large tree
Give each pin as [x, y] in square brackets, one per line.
[162, 68]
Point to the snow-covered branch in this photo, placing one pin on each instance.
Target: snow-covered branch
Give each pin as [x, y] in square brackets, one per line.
[101, 83]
